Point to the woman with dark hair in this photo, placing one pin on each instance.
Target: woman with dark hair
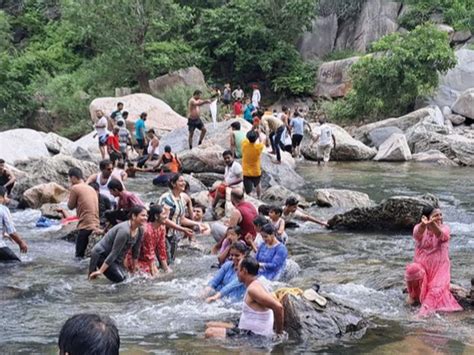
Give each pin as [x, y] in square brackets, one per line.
[428, 277]
[108, 254]
[271, 255]
[225, 283]
[175, 201]
[153, 243]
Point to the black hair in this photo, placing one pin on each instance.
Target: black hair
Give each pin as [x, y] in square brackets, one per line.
[143, 114]
[124, 114]
[240, 247]
[2, 161]
[104, 163]
[120, 123]
[263, 210]
[260, 221]
[167, 149]
[3, 191]
[94, 185]
[250, 264]
[173, 180]
[235, 125]
[89, 334]
[120, 103]
[130, 164]
[427, 211]
[197, 92]
[115, 184]
[236, 229]
[135, 211]
[252, 136]
[297, 113]
[291, 201]
[277, 209]
[75, 172]
[151, 130]
[198, 205]
[268, 229]
[227, 152]
[120, 164]
[155, 211]
[284, 108]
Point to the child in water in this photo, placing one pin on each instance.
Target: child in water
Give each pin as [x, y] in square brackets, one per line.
[279, 223]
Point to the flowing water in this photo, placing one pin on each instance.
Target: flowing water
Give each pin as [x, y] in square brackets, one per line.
[364, 271]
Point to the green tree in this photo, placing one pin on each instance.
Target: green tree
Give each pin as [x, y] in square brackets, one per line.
[401, 68]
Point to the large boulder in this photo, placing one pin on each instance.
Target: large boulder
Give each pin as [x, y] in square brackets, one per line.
[456, 120]
[281, 174]
[320, 40]
[432, 156]
[333, 78]
[195, 185]
[464, 105]
[278, 194]
[22, 144]
[85, 148]
[55, 143]
[342, 198]
[306, 320]
[160, 115]
[347, 148]
[208, 179]
[38, 195]
[203, 159]
[394, 148]
[50, 210]
[380, 135]
[397, 213]
[189, 77]
[456, 80]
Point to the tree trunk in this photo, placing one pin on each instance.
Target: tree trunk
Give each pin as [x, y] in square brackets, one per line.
[143, 83]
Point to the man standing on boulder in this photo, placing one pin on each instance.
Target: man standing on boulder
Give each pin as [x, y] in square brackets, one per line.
[324, 144]
[194, 119]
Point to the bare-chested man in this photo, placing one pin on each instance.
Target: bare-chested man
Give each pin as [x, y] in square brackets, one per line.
[261, 311]
[194, 119]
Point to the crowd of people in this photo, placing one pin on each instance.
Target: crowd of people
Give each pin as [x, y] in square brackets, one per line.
[250, 242]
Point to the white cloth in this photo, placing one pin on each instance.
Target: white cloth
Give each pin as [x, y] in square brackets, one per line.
[233, 173]
[256, 97]
[151, 150]
[213, 109]
[103, 189]
[325, 137]
[6, 224]
[101, 122]
[260, 323]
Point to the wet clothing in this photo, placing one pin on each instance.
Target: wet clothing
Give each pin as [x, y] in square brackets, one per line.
[272, 260]
[283, 237]
[248, 213]
[153, 247]
[275, 139]
[233, 174]
[6, 227]
[226, 282]
[195, 123]
[169, 159]
[84, 199]
[127, 200]
[296, 140]
[104, 206]
[177, 207]
[239, 137]
[103, 188]
[5, 176]
[297, 125]
[428, 277]
[248, 113]
[124, 139]
[250, 182]
[258, 322]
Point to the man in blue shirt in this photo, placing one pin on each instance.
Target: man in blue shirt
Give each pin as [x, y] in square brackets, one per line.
[140, 132]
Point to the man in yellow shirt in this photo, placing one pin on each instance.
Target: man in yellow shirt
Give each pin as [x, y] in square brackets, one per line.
[251, 164]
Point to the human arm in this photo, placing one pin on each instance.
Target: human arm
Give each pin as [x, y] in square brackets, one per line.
[277, 261]
[232, 143]
[72, 201]
[281, 226]
[11, 178]
[18, 240]
[334, 140]
[306, 217]
[91, 178]
[234, 219]
[266, 299]
[188, 232]
[441, 231]
[251, 242]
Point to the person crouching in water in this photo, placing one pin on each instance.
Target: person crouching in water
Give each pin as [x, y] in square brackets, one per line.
[108, 255]
[126, 200]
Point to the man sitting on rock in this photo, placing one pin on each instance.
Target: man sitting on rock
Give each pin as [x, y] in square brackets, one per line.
[7, 229]
[261, 311]
[7, 179]
[232, 178]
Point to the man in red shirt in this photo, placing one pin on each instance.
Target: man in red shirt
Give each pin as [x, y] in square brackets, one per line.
[113, 145]
[126, 200]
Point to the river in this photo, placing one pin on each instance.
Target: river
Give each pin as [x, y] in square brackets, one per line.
[364, 271]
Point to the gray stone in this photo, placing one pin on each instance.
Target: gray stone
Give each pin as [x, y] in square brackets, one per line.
[49, 210]
[397, 213]
[279, 194]
[461, 36]
[22, 144]
[446, 111]
[380, 135]
[342, 198]
[445, 28]
[320, 40]
[194, 184]
[122, 92]
[456, 120]
[189, 77]
[54, 143]
[433, 156]
[208, 179]
[203, 159]
[333, 78]
[464, 105]
[394, 148]
[40, 194]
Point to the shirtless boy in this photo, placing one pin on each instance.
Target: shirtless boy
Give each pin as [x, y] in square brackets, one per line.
[194, 119]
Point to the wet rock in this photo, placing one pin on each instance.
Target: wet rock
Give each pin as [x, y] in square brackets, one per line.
[49, 210]
[456, 120]
[306, 320]
[188, 77]
[194, 184]
[203, 159]
[208, 179]
[397, 213]
[85, 148]
[22, 144]
[342, 198]
[464, 105]
[54, 143]
[320, 40]
[433, 156]
[38, 195]
[394, 148]
[347, 148]
[333, 78]
[279, 194]
[282, 174]
[380, 135]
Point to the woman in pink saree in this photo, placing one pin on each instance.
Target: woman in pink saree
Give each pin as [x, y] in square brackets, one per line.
[428, 277]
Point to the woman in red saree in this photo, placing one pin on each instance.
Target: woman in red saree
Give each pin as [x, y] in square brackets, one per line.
[428, 277]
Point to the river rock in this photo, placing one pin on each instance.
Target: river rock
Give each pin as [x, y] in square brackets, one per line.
[305, 320]
[333, 78]
[445, 28]
[38, 195]
[194, 184]
[347, 148]
[433, 156]
[160, 115]
[22, 144]
[394, 149]
[85, 148]
[208, 179]
[464, 105]
[320, 40]
[189, 77]
[380, 135]
[54, 143]
[342, 198]
[279, 194]
[205, 158]
[456, 120]
[456, 80]
[397, 213]
[49, 210]
[282, 174]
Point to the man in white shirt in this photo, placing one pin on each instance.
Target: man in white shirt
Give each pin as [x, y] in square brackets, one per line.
[238, 93]
[102, 133]
[233, 177]
[256, 97]
[325, 138]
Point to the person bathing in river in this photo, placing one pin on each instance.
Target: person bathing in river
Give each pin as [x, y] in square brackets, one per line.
[108, 255]
[125, 201]
[261, 311]
[279, 223]
[7, 229]
[103, 178]
[271, 255]
[225, 283]
[231, 236]
[7, 179]
[198, 216]
[291, 211]
[258, 222]
[428, 277]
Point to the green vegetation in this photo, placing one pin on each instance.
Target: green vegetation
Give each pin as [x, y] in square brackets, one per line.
[341, 54]
[401, 68]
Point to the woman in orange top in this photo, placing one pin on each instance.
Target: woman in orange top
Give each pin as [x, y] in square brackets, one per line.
[169, 160]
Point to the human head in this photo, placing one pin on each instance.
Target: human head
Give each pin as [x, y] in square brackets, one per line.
[157, 214]
[138, 215]
[125, 115]
[167, 149]
[268, 233]
[177, 182]
[259, 222]
[236, 196]
[116, 130]
[228, 157]
[120, 123]
[95, 186]
[89, 334]
[131, 164]
[143, 116]
[99, 113]
[115, 187]
[2, 165]
[151, 133]
[198, 211]
[263, 210]
[322, 120]
[120, 106]
[233, 232]
[291, 204]
[284, 109]
[252, 136]
[430, 212]
[237, 252]
[275, 212]
[106, 167]
[197, 94]
[75, 175]
[296, 114]
[235, 126]
[248, 269]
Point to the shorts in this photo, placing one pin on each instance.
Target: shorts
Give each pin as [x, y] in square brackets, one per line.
[141, 143]
[237, 332]
[250, 182]
[324, 151]
[195, 123]
[296, 140]
[226, 101]
[103, 140]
